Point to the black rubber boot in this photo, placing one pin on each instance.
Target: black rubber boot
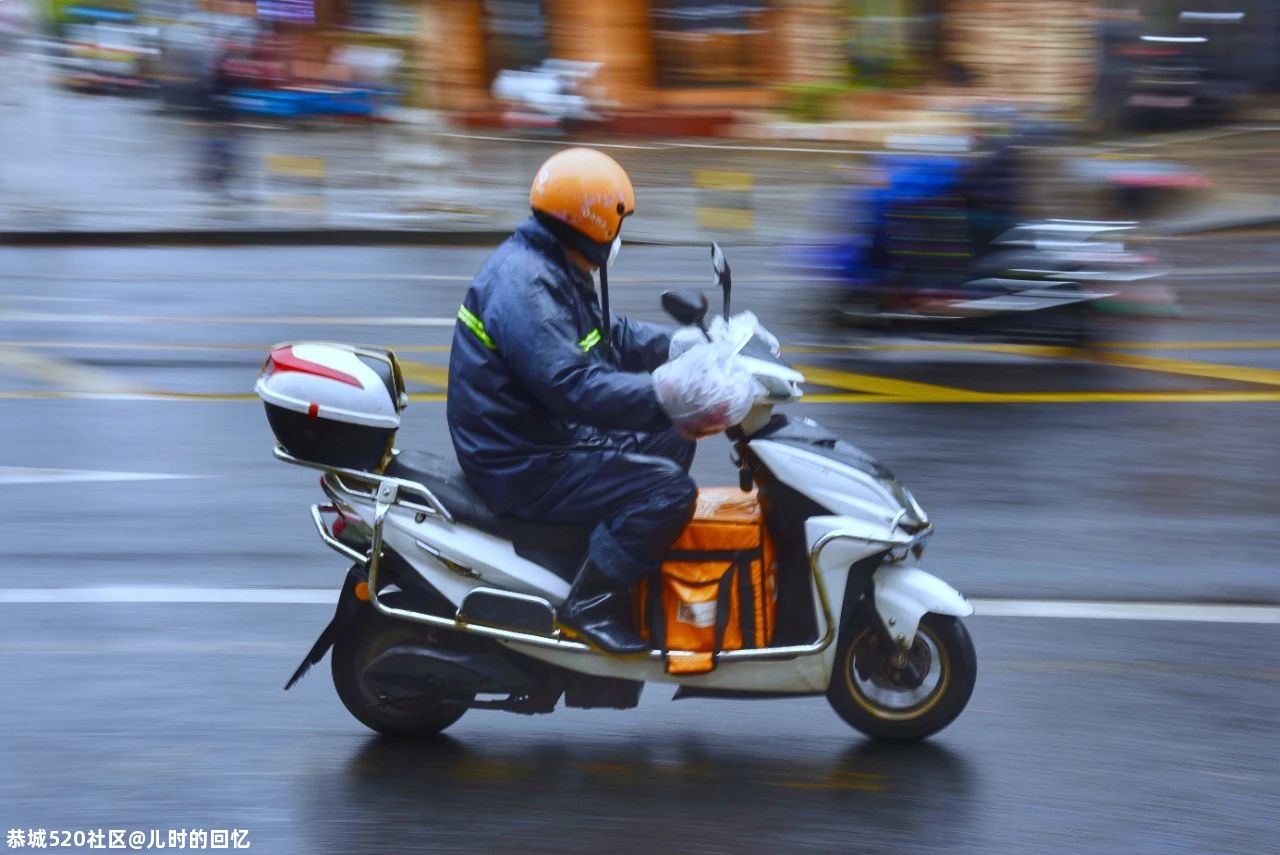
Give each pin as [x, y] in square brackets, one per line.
[600, 613]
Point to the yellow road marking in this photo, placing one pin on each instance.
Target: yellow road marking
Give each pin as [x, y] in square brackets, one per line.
[1014, 349]
[945, 396]
[1187, 367]
[68, 375]
[1137, 362]
[425, 373]
[1190, 345]
[856, 388]
[719, 179]
[971, 397]
[1038, 350]
[294, 166]
[882, 385]
[725, 218]
[863, 782]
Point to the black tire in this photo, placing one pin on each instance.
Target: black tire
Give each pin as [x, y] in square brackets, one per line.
[365, 637]
[942, 644]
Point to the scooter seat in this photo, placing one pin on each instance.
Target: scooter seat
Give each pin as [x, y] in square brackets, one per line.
[444, 478]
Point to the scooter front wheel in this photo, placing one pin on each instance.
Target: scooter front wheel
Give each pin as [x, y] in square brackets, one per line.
[370, 634]
[903, 696]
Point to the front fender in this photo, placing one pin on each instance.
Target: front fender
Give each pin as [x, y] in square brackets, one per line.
[904, 594]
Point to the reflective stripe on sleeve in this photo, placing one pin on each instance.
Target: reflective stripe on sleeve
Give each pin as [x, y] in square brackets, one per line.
[472, 323]
[593, 338]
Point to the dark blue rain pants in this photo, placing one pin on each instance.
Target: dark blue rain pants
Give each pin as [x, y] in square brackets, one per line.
[636, 493]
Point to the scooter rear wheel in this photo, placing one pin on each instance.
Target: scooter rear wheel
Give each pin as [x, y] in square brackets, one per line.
[909, 697]
[368, 635]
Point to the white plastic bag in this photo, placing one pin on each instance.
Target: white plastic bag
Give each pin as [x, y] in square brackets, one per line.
[732, 335]
[704, 390]
[683, 339]
[740, 329]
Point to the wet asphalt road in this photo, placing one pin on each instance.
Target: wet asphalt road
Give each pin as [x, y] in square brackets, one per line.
[1144, 471]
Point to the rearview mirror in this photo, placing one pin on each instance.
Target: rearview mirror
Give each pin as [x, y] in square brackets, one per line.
[685, 308]
[724, 280]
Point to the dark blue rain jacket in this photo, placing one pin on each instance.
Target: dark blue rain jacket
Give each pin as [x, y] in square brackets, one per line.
[531, 388]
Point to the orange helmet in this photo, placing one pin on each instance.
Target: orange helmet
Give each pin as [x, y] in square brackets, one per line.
[582, 195]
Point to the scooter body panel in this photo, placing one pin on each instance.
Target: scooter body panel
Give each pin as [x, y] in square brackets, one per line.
[865, 498]
[800, 675]
[479, 559]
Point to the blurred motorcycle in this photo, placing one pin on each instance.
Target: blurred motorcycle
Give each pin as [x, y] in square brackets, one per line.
[802, 580]
[1042, 283]
[921, 257]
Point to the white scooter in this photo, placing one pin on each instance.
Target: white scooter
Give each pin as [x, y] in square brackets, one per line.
[449, 608]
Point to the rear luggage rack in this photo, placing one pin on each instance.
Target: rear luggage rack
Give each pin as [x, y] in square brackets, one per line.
[434, 507]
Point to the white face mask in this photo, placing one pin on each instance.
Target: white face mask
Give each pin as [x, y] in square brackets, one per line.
[614, 250]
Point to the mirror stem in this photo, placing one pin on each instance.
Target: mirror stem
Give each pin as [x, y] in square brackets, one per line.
[723, 275]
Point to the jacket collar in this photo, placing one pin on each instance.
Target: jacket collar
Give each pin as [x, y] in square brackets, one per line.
[544, 242]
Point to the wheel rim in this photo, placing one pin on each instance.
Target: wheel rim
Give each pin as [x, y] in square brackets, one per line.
[899, 694]
[370, 649]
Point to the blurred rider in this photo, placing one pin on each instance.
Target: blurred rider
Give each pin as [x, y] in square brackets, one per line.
[551, 406]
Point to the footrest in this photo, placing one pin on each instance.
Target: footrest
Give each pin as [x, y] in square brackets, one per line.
[508, 610]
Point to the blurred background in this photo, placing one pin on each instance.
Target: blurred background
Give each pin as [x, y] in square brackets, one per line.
[374, 113]
[1024, 252]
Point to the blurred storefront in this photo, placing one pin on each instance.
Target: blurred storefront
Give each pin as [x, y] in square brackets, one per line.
[658, 54]
[653, 53]
[1040, 51]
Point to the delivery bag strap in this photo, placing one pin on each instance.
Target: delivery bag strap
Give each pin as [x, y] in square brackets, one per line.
[723, 598]
[739, 561]
[747, 596]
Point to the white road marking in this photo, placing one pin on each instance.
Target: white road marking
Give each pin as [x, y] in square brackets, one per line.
[283, 320]
[171, 595]
[1067, 609]
[31, 475]
[1192, 137]
[1110, 610]
[229, 276]
[42, 299]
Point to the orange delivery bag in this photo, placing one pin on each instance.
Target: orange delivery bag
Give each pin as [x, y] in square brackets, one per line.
[716, 589]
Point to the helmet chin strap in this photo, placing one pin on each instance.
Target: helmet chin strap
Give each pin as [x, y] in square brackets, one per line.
[607, 343]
